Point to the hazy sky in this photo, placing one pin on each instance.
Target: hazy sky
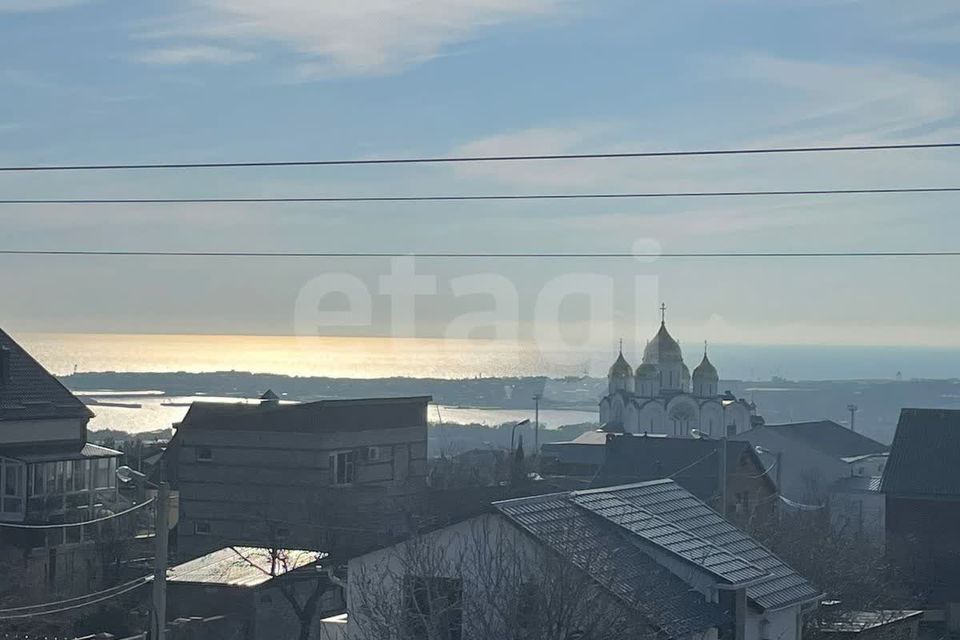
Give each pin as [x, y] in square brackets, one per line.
[105, 81]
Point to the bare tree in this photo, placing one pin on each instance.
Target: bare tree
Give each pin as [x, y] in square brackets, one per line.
[484, 582]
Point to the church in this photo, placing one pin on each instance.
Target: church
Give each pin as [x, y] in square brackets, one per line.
[662, 397]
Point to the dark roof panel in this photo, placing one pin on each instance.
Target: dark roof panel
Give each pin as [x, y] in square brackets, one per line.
[692, 463]
[309, 417]
[30, 392]
[664, 514]
[607, 555]
[926, 454]
[829, 437]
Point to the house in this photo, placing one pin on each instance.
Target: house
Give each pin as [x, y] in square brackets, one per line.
[921, 485]
[694, 464]
[582, 457]
[858, 509]
[334, 474]
[260, 589]
[49, 474]
[811, 456]
[611, 562]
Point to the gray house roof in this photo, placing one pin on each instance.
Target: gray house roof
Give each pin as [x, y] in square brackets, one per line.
[30, 392]
[615, 562]
[693, 463]
[925, 457]
[826, 436]
[663, 514]
[309, 417]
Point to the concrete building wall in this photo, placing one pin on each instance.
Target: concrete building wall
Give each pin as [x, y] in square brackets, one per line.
[253, 486]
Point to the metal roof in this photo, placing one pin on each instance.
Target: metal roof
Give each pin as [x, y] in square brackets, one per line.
[31, 392]
[614, 561]
[783, 586]
[692, 462]
[925, 454]
[826, 436]
[241, 566]
[309, 417]
[857, 621]
[664, 514]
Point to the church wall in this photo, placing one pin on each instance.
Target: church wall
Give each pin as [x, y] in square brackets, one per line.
[711, 419]
[651, 419]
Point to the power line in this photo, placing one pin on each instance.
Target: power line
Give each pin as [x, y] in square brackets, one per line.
[460, 198]
[488, 255]
[500, 158]
[11, 614]
[64, 525]
[66, 601]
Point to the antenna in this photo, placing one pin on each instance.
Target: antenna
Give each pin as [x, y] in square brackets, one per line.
[852, 408]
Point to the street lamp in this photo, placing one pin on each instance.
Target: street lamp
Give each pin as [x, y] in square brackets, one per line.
[513, 431]
[161, 538]
[536, 423]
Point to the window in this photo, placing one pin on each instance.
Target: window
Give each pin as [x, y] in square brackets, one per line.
[373, 453]
[201, 528]
[81, 469]
[433, 608]
[104, 473]
[342, 467]
[37, 488]
[204, 454]
[11, 486]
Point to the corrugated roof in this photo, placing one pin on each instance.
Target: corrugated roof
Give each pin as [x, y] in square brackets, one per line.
[665, 534]
[829, 437]
[783, 586]
[31, 392]
[241, 566]
[664, 514]
[611, 559]
[857, 621]
[925, 457]
[308, 417]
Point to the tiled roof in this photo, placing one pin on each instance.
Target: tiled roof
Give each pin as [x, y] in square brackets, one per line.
[663, 514]
[240, 566]
[829, 437]
[925, 457]
[31, 392]
[308, 417]
[609, 557]
[692, 463]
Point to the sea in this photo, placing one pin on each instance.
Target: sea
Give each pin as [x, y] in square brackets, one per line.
[347, 357]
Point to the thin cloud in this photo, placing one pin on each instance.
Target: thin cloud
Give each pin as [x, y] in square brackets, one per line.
[34, 6]
[194, 54]
[374, 37]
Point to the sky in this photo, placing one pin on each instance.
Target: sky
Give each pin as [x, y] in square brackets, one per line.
[109, 81]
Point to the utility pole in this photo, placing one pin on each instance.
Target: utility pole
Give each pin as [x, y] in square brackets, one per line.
[852, 408]
[160, 563]
[536, 424]
[723, 476]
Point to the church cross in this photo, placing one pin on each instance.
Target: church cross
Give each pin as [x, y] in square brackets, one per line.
[663, 313]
